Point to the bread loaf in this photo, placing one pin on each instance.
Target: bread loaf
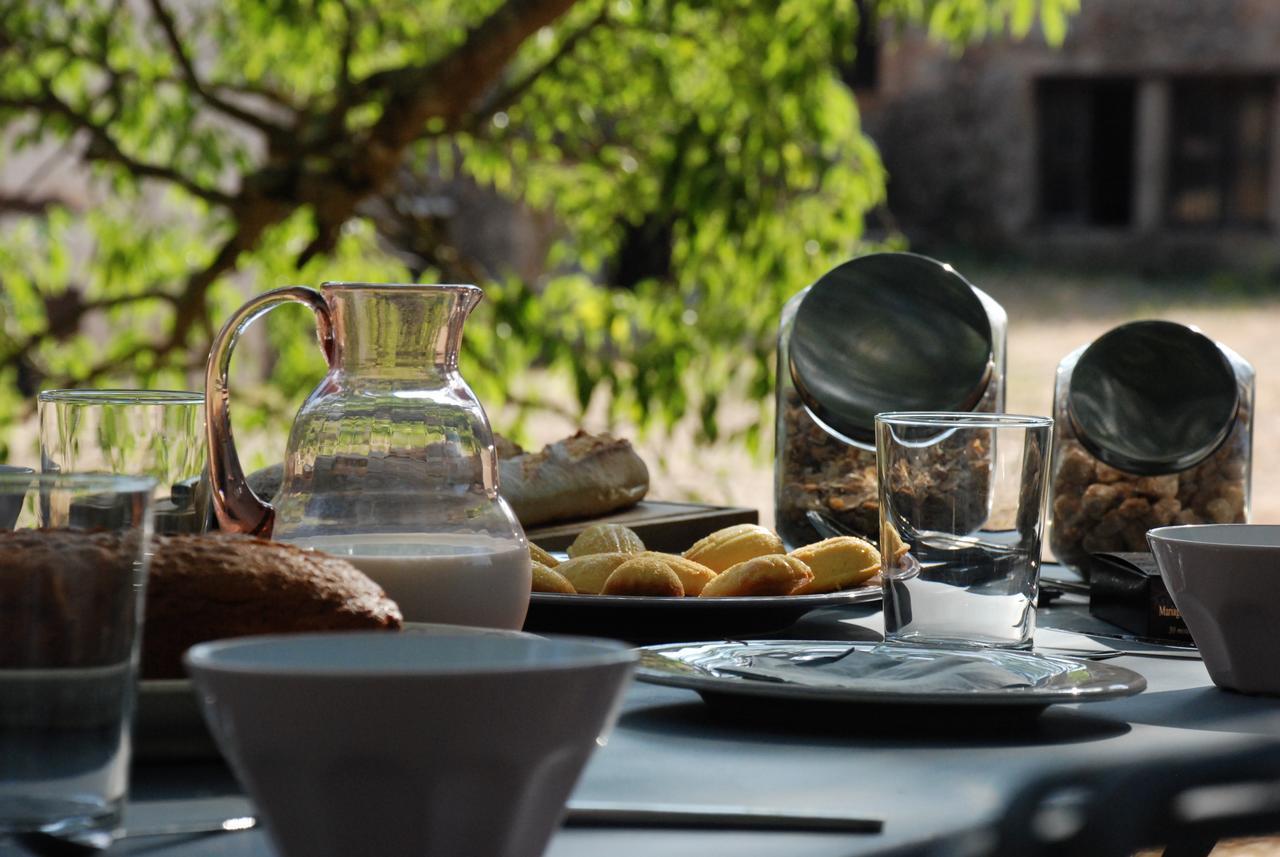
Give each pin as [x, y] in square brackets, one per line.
[207, 587]
[580, 477]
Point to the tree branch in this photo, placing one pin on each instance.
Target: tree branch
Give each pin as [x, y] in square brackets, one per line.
[447, 88]
[255, 90]
[189, 305]
[450, 86]
[29, 204]
[252, 221]
[188, 69]
[76, 311]
[106, 367]
[334, 124]
[102, 147]
[500, 99]
[124, 300]
[344, 52]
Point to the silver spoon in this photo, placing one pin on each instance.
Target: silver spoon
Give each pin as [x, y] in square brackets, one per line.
[51, 845]
[578, 814]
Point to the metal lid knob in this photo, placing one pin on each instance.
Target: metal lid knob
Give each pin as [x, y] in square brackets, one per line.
[1153, 397]
[889, 332]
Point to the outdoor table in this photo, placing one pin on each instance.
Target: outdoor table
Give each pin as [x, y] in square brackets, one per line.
[939, 783]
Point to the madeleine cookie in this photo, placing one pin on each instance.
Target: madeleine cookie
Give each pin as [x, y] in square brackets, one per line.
[693, 575]
[537, 554]
[588, 573]
[605, 538]
[732, 545]
[891, 544]
[839, 563]
[644, 575]
[762, 575]
[549, 580]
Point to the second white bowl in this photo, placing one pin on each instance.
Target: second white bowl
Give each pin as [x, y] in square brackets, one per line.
[1225, 580]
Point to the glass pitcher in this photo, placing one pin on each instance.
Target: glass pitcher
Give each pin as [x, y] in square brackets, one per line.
[390, 462]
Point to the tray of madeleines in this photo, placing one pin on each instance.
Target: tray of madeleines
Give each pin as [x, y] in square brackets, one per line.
[737, 580]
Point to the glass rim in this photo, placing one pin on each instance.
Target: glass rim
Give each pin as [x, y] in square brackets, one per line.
[117, 483]
[119, 396]
[962, 419]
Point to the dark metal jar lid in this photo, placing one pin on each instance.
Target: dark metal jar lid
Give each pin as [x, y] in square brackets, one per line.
[889, 332]
[1153, 397]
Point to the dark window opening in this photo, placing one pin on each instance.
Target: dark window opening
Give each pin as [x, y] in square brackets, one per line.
[1086, 135]
[1220, 152]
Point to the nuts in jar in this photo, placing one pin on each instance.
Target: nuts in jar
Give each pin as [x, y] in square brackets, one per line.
[1154, 427]
[1100, 509]
[819, 472]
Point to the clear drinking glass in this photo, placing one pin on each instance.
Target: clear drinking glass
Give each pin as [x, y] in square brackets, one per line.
[961, 518]
[157, 433]
[72, 579]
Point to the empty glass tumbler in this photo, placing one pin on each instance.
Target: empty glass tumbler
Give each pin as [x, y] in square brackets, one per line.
[156, 433]
[961, 517]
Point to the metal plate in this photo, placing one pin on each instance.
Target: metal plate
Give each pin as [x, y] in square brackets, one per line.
[1153, 397]
[717, 669]
[889, 332]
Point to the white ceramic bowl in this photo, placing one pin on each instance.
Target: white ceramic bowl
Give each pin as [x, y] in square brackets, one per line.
[376, 743]
[1225, 580]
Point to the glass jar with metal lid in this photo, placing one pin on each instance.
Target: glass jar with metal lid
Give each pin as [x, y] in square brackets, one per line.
[1154, 427]
[883, 332]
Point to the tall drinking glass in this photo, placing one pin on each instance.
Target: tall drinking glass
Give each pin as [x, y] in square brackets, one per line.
[72, 578]
[157, 433]
[961, 519]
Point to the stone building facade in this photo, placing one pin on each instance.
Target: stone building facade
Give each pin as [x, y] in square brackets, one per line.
[1151, 136]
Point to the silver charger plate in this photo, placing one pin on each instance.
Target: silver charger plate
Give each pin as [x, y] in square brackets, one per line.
[751, 670]
[169, 725]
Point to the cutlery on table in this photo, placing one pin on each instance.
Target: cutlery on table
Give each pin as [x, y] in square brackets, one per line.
[1108, 654]
[1076, 644]
[1063, 586]
[579, 814]
[712, 817]
[50, 845]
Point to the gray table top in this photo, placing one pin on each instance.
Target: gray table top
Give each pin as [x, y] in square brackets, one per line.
[930, 781]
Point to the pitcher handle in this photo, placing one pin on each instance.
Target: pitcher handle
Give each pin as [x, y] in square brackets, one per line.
[239, 510]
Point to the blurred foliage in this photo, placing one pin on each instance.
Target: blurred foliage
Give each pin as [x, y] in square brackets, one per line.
[239, 145]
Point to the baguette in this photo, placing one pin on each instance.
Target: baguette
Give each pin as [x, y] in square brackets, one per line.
[583, 476]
